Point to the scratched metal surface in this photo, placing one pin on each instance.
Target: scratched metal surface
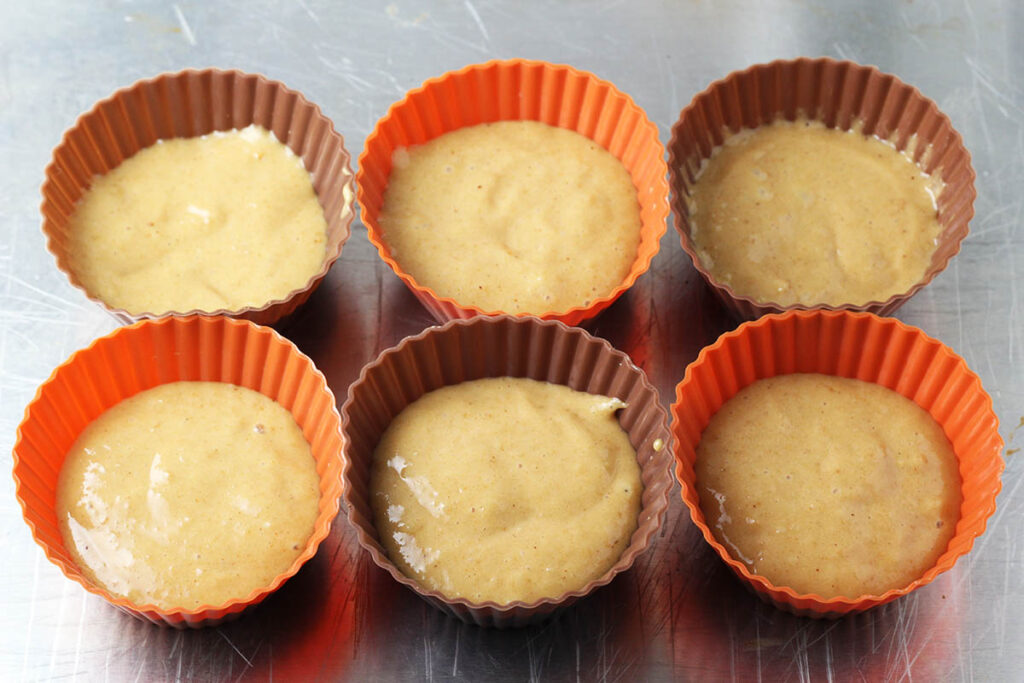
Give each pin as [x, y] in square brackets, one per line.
[678, 613]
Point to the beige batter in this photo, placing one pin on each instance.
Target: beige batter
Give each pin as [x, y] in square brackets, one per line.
[506, 489]
[828, 485]
[223, 221]
[516, 216]
[795, 212]
[188, 494]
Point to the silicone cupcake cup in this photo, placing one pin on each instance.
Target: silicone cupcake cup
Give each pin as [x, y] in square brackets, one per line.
[519, 90]
[841, 95]
[860, 346]
[189, 104]
[145, 355]
[496, 347]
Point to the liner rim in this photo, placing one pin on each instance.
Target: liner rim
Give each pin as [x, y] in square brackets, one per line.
[348, 193]
[205, 613]
[585, 311]
[659, 505]
[878, 306]
[840, 605]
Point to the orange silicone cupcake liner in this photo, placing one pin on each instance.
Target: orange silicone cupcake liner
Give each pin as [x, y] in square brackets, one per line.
[860, 346]
[841, 95]
[503, 346]
[514, 90]
[145, 355]
[189, 104]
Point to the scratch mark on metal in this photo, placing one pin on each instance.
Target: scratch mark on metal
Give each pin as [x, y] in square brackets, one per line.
[455, 657]
[78, 640]
[15, 280]
[428, 668]
[177, 675]
[479, 22]
[829, 664]
[60, 619]
[999, 96]
[31, 619]
[310, 12]
[843, 51]
[244, 658]
[186, 30]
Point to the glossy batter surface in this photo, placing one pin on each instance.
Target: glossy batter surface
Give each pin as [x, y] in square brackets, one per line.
[506, 489]
[188, 494]
[828, 485]
[515, 216]
[795, 212]
[222, 221]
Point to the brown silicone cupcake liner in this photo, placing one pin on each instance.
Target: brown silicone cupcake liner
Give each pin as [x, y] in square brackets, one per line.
[520, 90]
[841, 95]
[154, 352]
[189, 104]
[500, 346]
[861, 346]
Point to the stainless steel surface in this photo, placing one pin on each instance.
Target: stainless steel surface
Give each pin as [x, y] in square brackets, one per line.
[679, 613]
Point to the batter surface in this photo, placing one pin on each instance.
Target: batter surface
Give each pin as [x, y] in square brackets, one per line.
[828, 485]
[188, 494]
[795, 212]
[222, 221]
[515, 216]
[506, 489]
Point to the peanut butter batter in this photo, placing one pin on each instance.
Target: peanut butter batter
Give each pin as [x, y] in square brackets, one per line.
[222, 221]
[188, 494]
[515, 216]
[798, 213]
[828, 485]
[506, 489]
